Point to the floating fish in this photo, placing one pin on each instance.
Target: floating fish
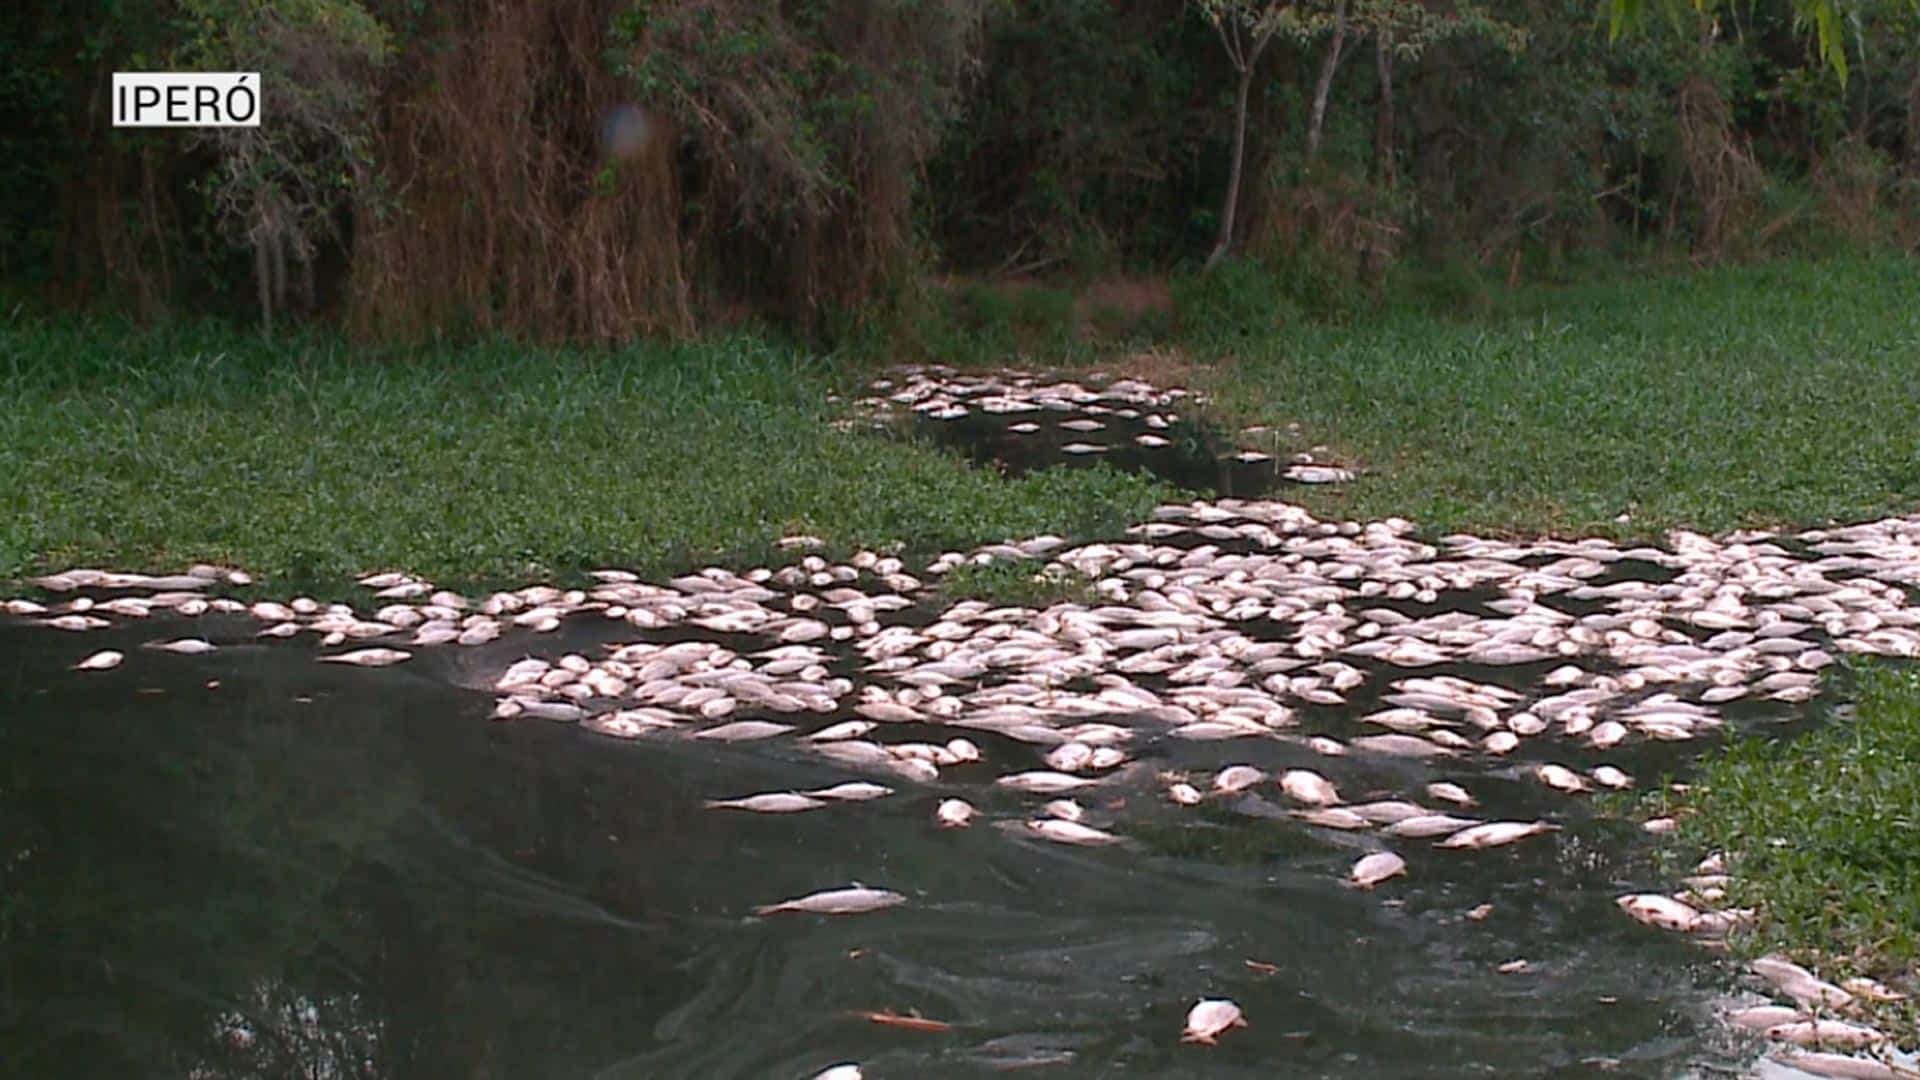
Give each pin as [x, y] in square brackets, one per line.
[1237, 778]
[744, 731]
[1659, 911]
[854, 791]
[1373, 869]
[184, 646]
[1800, 984]
[1422, 826]
[953, 813]
[1043, 782]
[369, 657]
[1210, 1018]
[852, 900]
[1307, 786]
[1333, 817]
[1825, 1033]
[1071, 832]
[100, 661]
[771, 803]
[1496, 834]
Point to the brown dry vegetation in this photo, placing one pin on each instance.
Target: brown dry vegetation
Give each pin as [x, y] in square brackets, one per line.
[504, 214]
[817, 165]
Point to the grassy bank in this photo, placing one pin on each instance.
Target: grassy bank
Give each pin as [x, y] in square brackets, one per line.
[308, 461]
[1820, 836]
[1761, 395]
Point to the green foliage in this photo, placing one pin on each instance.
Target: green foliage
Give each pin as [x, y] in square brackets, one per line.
[1007, 583]
[278, 184]
[1717, 400]
[309, 462]
[1818, 833]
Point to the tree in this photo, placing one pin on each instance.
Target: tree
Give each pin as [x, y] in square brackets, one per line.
[1826, 16]
[1245, 29]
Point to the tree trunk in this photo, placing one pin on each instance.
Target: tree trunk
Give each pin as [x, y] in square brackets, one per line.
[1224, 242]
[1383, 131]
[1913, 126]
[1325, 85]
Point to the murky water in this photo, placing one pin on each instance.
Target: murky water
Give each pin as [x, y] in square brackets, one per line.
[320, 871]
[1019, 421]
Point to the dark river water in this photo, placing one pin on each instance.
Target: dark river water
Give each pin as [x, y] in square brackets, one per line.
[317, 871]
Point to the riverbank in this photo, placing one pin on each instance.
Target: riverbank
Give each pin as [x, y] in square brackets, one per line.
[1755, 396]
[1773, 395]
[310, 463]
[1817, 835]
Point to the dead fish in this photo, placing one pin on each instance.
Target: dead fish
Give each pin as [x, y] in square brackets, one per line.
[1660, 825]
[1069, 757]
[1560, 778]
[1333, 817]
[854, 791]
[1237, 778]
[76, 623]
[369, 657]
[771, 803]
[100, 661]
[1452, 793]
[1307, 786]
[1871, 989]
[1065, 810]
[1388, 811]
[1041, 782]
[849, 729]
[1800, 984]
[1496, 834]
[1071, 832]
[184, 646]
[953, 813]
[1762, 1017]
[1661, 911]
[1843, 1067]
[1401, 746]
[853, 900]
[1208, 1019]
[1610, 777]
[1373, 869]
[847, 1071]
[1426, 825]
[744, 731]
[1184, 794]
[1825, 1033]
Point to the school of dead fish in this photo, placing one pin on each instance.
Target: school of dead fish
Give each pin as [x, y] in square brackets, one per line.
[1214, 621]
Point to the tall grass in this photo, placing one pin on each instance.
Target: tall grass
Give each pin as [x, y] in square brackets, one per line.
[1761, 395]
[310, 461]
[1819, 834]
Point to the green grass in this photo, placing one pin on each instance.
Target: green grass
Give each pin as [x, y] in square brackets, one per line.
[1005, 583]
[309, 461]
[1823, 834]
[1755, 396]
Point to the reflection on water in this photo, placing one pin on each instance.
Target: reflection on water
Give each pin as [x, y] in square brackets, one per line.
[308, 871]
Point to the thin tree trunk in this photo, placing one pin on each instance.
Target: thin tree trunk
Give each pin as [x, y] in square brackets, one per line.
[1383, 132]
[263, 282]
[1913, 127]
[1224, 242]
[1325, 85]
